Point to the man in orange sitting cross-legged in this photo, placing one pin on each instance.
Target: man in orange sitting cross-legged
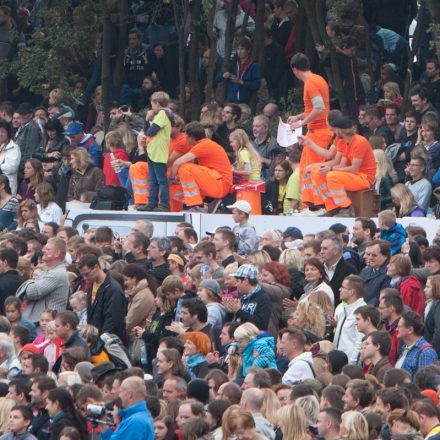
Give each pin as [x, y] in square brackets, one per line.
[211, 177]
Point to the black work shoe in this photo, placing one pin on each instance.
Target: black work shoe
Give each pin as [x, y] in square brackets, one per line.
[346, 212]
[163, 207]
[146, 207]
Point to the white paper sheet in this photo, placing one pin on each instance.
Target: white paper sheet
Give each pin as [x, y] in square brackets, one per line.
[285, 136]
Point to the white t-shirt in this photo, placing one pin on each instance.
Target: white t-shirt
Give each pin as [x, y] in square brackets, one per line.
[52, 213]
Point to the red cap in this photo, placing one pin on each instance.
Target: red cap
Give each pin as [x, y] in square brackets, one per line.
[30, 348]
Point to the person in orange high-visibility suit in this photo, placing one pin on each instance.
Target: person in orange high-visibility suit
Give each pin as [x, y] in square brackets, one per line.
[316, 107]
[355, 171]
[211, 177]
[139, 170]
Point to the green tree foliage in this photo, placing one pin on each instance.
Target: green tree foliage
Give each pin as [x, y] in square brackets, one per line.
[66, 45]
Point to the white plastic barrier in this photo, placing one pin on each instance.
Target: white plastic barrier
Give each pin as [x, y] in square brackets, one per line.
[165, 223]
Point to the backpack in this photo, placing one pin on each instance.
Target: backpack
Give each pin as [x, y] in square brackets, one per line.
[116, 350]
[111, 197]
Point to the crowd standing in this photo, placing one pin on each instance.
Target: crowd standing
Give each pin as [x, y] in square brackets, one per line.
[333, 334]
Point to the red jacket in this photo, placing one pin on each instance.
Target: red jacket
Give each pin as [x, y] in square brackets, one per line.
[111, 178]
[391, 328]
[411, 292]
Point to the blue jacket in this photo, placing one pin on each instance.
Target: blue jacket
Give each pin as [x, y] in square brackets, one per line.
[265, 346]
[395, 235]
[252, 82]
[136, 424]
[95, 151]
[420, 356]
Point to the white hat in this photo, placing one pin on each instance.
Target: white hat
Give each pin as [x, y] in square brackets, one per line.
[241, 205]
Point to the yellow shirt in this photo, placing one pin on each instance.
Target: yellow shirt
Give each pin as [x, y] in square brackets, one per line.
[158, 146]
[244, 158]
[95, 288]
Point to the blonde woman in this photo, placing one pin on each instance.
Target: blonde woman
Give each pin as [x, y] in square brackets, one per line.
[404, 203]
[310, 405]
[271, 404]
[258, 259]
[86, 178]
[293, 260]
[291, 420]
[309, 316]
[384, 182]
[248, 160]
[6, 405]
[354, 426]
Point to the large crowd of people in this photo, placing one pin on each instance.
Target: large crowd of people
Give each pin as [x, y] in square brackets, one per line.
[229, 335]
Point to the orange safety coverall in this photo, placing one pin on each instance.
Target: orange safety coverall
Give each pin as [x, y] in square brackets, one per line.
[333, 186]
[139, 176]
[212, 177]
[317, 131]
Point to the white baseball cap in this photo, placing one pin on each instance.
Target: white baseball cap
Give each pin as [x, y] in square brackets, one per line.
[241, 205]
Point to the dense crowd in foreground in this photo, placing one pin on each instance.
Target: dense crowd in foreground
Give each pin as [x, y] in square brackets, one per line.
[227, 336]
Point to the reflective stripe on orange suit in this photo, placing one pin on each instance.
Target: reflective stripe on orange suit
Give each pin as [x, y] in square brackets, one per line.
[139, 182]
[212, 177]
[317, 131]
[333, 186]
[321, 137]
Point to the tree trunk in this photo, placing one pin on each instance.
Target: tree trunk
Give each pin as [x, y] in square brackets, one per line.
[212, 35]
[195, 17]
[180, 16]
[106, 76]
[229, 39]
[434, 11]
[118, 75]
[414, 48]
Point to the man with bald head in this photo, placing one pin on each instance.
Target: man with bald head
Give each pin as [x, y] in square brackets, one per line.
[136, 422]
[49, 290]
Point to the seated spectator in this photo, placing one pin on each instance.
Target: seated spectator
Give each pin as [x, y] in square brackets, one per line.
[86, 178]
[27, 215]
[404, 202]
[247, 165]
[48, 210]
[9, 204]
[9, 157]
[237, 419]
[75, 132]
[266, 146]
[391, 92]
[212, 177]
[421, 104]
[409, 287]
[419, 186]
[377, 126]
[316, 279]
[33, 176]
[275, 199]
[309, 317]
[384, 182]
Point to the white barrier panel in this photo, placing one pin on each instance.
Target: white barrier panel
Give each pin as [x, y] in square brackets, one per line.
[165, 223]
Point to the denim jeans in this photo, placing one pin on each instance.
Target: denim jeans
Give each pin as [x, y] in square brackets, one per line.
[157, 178]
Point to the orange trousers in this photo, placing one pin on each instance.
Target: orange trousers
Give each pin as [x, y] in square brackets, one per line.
[199, 182]
[141, 187]
[321, 137]
[332, 187]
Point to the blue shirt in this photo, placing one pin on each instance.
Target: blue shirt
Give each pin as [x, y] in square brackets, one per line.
[417, 357]
[136, 424]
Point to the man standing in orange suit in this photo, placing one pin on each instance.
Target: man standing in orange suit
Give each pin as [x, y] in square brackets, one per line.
[316, 107]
